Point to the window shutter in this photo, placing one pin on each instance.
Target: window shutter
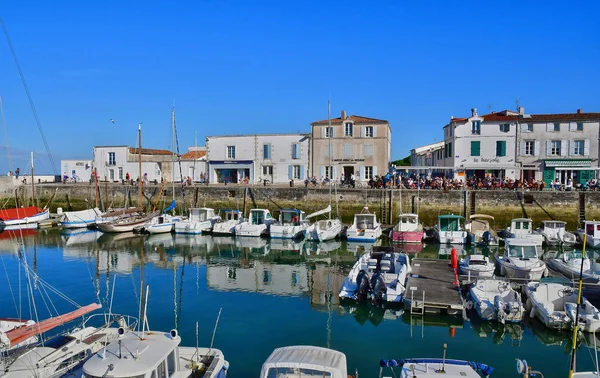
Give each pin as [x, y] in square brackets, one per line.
[573, 126]
[374, 131]
[363, 131]
[522, 148]
[503, 148]
[523, 127]
[333, 133]
[586, 147]
[536, 150]
[322, 171]
[563, 148]
[323, 132]
[548, 148]
[374, 170]
[335, 173]
[571, 147]
[362, 172]
[290, 172]
[549, 127]
[301, 172]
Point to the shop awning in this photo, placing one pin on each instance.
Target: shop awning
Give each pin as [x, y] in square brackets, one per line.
[568, 163]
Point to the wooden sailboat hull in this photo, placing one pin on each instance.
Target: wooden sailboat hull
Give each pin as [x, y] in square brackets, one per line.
[25, 215]
[125, 225]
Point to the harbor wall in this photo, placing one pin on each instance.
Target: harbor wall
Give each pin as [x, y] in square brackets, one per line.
[502, 204]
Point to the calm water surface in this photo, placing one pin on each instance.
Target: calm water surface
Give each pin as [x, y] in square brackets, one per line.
[272, 294]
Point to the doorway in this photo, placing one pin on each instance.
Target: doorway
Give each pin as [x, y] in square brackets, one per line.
[348, 171]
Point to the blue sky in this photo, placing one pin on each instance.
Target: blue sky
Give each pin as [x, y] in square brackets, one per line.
[236, 67]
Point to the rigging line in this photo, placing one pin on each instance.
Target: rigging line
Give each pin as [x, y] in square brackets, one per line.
[53, 289]
[10, 167]
[30, 291]
[179, 157]
[31, 104]
[9, 285]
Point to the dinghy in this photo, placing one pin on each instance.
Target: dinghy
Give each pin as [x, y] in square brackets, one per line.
[569, 265]
[475, 266]
[79, 219]
[324, 229]
[496, 300]
[521, 260]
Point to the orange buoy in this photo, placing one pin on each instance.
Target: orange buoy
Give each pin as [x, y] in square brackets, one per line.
[454, 258]
[452, 331]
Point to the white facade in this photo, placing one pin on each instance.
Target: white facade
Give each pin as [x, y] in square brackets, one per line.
[80, 170]
[113, 163]
[193, 165]
[278, 158]
[430, 156]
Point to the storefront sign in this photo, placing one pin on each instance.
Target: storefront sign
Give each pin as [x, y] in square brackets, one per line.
[348, 160]
[485, 160]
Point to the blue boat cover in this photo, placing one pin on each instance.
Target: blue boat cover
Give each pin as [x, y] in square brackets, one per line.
[485, 369]
[171, 207]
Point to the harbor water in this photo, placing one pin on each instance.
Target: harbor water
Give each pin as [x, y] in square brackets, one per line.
[272, 294]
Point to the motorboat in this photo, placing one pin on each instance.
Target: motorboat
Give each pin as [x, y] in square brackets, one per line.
[554, 233]
[449, 229]
[143, 354]
[160, 224]
[408, 229]
[79, 219]
[258, 224]
[555, 304]
[522, 228]
[229, 219]
[496, 300]
[291, 224]
[591, 231]
[569, 264]
[479, 231]
[200, 220]
[365, 227]
[126, 224]
[379, 275]
[521, 260]
[475, 266]
[22, 216]
[324, 229]
[435, 367]
[305, 361]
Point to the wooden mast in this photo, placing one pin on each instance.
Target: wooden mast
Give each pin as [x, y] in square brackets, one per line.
[32, 183]
[140, 161]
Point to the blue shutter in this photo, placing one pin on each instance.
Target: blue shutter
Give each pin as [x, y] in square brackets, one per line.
[322, 171]
[301, 172]
[290, 172]
[362, 172]
[295, 151]
[374, 170]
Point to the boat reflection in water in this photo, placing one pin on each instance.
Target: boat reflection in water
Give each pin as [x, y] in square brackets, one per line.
[497, 331]
[419, 323]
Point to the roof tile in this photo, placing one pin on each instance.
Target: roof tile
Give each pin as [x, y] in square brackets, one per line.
[149, 151]
[192, 155]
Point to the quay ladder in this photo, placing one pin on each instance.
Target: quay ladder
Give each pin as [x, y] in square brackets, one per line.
[416, 307]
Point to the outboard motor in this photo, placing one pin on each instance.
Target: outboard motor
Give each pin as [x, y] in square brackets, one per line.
[487, 237]
[379, 288]
[363, 286]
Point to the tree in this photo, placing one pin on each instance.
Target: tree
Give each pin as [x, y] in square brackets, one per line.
[402, 162]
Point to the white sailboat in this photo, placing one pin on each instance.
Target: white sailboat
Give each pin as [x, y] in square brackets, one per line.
[80, 219]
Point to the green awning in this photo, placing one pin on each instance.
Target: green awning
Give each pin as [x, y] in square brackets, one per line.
[568, 163]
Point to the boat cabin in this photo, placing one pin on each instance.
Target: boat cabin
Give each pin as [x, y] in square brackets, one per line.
[228, 214]
[260, 216]
[304, 361]
[480, 222]
[365, 221]
[523, 249]
[473, 260]
[592, 229]
[201, 214]
[521, 226]
[409, 222]
[291, 217]
[553, 225]
[450, 222]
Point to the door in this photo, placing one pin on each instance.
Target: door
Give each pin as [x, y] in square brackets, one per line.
[191, 173]
[348, 171]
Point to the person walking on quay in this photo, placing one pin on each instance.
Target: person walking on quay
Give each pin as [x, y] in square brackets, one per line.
[352, 182]
[342, 179]
[17, 173]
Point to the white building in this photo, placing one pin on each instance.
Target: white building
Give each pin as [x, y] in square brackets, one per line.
[276, 157]
[193, 165]
[80, 170]
[113, 163]
[430, 156]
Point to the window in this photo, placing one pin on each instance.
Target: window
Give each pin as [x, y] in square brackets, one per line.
[120, 173]
[369, 131]
[230, 152]
[328, 171]
[267, 151]
[475, 148]
[476, 127]
[348, 150]
[448, 149]
[578, 147]
[111, 174]
[527, 127]
[368, 150]
[348, 129]
[579, 126]
[172, 363]
[555, 147]
[296, 172]
[500, 148]
[160, 370]
[368, 173]
[505, 128]
[556, 126]
[295, 150]
[329, 132]
[267, 276]
[529, 148]
[267, 170]
[111, 158]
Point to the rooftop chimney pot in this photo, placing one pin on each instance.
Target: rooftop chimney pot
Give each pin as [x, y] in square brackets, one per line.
[343, 114]
[474, 112]
[579, 111]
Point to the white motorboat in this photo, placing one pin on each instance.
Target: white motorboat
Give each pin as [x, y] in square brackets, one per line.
[496, 300]
[365, 227]
[200, 220]
[290, 225]
[79, 219]
[143, 355]
[160, 224]
[435, 367]
[449, 229]
[569, 265]
[324, 229]
[475, 266]
[521, 260]
[126, 224]
[258, 224]
[379, 275]
[304, 361]
[554, 233]
[408, 229]
[522, 228]
[555, 304]
[591, 230]
[229, 219]
[479, 231]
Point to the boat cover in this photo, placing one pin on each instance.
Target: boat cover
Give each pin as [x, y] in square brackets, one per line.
[307, 357]
[326, 210]
[171, 207]
[88, 215]
[485, 369]
[20, 213]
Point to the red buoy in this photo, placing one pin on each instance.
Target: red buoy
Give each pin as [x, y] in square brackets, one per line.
[454, 258]
[452, 331]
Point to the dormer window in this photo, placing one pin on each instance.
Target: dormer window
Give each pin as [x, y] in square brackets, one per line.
[348, 129]
[369, 131]
[505, 128]
[476, 127]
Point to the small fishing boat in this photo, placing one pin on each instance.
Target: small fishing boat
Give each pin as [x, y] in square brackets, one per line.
[408, 229]
[80, 219]
[324, 229]
[365, 227]
[569, 264]
[476, 266]
[305, 361]
[495, 300]
[449, 229]
[258, 224]
[290, 225]
[591, 230]
[554, 233]
[521, 260]
[229, 219]
[522, 228]
[200, 220]
[126, 224]
[555, 304]
[479, 230]
[379, 275]
[22, 216]
[160, 224]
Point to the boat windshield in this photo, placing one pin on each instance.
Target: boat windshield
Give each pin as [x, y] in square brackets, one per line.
[524, 225]
[411, 220]
[257, 217]
[450, 224]
[290, 217]
[365, 221]
[295, 372]
[523, 251]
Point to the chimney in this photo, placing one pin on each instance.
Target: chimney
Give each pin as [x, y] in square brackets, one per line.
[579, 111]
[521, 111]
[474, 112]
[343, 115]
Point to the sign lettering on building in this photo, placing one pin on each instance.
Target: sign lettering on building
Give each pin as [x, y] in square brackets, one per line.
[348, 160]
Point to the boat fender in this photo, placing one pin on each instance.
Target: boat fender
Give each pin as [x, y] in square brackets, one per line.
[454, 258]
[532, 312]
[528, 305]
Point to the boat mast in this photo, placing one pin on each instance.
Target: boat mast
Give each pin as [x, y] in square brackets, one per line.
[32, 183]
[140, 160]
[329, 169]
[173, 151]
[576, 327]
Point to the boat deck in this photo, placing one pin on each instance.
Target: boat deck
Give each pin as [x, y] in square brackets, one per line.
[431, 289]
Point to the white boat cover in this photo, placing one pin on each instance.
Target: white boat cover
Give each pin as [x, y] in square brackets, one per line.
[326, 210]
[82, 215]
[307, 357]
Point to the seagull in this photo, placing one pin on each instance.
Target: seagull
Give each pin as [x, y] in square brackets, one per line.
[112, 120]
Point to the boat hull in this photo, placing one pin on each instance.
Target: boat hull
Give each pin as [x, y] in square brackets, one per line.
[287, 232]
[255, 231]
[407, 236]
[126, 225]
[35, 218]
[316, 233]
[363, 235]
[533, 273]
[162, 228]
[452, 237]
